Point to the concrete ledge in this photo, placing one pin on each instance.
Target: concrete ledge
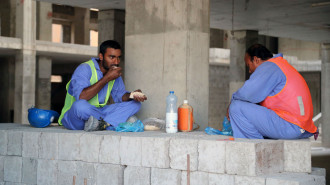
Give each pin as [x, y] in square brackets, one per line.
[53, 155]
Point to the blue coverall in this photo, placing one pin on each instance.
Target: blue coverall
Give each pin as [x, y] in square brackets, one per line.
[251, 120]
[81, 110]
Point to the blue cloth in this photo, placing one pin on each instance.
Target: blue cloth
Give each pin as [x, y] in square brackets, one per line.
[250, 120]
[81, 110]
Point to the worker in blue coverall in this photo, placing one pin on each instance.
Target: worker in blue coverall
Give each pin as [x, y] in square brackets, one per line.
[106, 70]
[249, 119]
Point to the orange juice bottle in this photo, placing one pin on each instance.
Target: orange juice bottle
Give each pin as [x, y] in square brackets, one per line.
[185, 117]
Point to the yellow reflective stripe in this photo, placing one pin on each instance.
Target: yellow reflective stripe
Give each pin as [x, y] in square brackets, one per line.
[67, 103]
[95, 100]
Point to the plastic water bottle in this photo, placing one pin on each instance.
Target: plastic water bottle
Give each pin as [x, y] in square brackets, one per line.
[171, 113]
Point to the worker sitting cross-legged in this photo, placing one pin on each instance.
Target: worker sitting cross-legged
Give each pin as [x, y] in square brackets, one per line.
[89, 90]
[275, 102]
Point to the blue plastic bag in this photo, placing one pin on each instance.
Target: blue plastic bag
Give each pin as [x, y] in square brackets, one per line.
[226, 129]
[137, 126]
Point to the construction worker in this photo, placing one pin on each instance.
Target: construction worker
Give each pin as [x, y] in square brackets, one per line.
[275, 102]
[89, 90]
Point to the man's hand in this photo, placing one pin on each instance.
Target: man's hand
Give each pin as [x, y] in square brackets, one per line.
[113, 73]
[137, 95]
[89, 92]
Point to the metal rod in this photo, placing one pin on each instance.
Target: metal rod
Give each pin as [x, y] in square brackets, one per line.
[188, 169]
[74, 180]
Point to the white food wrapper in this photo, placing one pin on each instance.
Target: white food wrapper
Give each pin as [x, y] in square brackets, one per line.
[153, 124]
[136, 94]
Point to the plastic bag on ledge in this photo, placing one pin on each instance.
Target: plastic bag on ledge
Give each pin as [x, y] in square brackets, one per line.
[151, 124]
[226, 129]
[136, 126]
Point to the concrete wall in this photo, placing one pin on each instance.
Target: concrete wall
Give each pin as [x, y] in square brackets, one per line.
[218, 94]
[304, 50]
[55, 155]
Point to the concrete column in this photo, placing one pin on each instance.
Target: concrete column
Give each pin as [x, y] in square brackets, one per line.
[325, 91]
[239, 42]
[67, 33]
[167, 48]
[111, 26]
[44, 21]
[44, 64]
[43, 84]
[25, 59]
[81, 26]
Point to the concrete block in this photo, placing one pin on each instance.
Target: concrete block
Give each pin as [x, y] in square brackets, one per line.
[14, 146]
[318, 171]
[1, 168]
[48, 145]
[3, 142]
[179, 148]
[131, 151]
[137, 175]
[30, 146]
[90, 147]
[212, 156]
[297, 156]
[13, 169]
[30, 169]
[246, 180]
[13, 183]
[220, 179]
[47, 171]
[196, 178]
[165, 176]
[68, 146]
[254, 157]
[86, 171]
[295, 179]
[66, 171]
[109, 174]
[109, 151]
[155, 152]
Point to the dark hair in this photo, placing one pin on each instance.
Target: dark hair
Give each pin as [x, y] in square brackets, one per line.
[259, 51]
[108, 44]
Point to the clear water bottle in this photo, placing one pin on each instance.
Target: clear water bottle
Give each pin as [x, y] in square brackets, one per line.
[171, 113]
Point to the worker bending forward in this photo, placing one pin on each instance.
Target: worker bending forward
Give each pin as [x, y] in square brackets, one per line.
[90, 87]
[274, 103]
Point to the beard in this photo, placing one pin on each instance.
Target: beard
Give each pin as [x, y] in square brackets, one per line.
[104, 65]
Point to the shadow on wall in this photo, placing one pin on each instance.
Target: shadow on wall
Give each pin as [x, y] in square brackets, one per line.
[323, 162]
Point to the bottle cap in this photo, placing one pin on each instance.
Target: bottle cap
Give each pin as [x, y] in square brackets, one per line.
[171, 92]
[185, 101]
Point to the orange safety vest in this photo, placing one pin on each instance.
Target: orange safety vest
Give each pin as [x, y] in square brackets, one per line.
[294, 102]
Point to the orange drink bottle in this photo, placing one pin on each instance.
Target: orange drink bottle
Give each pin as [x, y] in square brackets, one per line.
[185, 117]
